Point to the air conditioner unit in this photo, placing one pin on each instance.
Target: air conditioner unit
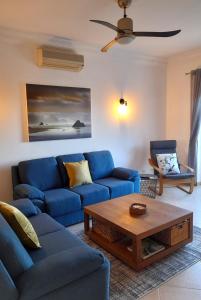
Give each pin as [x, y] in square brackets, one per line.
[59, 59]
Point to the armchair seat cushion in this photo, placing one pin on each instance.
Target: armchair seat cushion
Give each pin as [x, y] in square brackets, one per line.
[92, 193]
[179, 176]
[61, 201]
[117, 187]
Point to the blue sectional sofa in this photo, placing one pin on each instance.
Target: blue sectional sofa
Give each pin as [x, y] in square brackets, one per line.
[64, 268]
[46, 183]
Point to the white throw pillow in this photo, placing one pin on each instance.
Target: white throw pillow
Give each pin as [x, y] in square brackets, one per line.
[168, 163]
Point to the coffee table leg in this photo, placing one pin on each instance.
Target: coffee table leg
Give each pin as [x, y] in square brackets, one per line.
[137, 251]
[86, 223]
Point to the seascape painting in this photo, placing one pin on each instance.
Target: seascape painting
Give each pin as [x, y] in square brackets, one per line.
[56, 112]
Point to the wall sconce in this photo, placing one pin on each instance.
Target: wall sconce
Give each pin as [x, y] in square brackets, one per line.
[122, 107]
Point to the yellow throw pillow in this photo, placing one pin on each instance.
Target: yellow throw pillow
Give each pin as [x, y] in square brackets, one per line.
[78, 173]
[21, 225]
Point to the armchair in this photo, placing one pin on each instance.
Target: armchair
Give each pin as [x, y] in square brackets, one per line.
[186, 177]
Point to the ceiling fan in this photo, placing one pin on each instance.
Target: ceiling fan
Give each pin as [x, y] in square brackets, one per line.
[124, 29]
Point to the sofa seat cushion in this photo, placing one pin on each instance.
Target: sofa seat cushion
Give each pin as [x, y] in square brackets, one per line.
[12, 253]
[61, 201]
[42, 173]
[117, 187]
[92, 193]
[55, 242]
[44, 224]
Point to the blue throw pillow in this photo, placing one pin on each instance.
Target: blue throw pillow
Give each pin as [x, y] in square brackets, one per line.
[26, 207]
[28, 191]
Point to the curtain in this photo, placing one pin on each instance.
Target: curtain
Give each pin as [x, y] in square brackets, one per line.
[195, 118]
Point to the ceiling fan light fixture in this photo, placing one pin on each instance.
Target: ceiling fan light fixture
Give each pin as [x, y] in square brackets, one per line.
[124, 40]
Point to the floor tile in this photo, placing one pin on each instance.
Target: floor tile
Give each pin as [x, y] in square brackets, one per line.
[177, 293]
[188, 279]
[152, 296]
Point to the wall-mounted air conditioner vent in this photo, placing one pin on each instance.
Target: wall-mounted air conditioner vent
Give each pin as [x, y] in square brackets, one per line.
[59, 59]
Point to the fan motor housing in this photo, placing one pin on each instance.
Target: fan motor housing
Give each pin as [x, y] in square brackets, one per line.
[125, 24]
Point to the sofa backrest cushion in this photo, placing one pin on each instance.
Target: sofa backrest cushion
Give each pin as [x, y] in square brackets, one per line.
[101, 163]
[43, 173]
[61, 159]
[12, 253]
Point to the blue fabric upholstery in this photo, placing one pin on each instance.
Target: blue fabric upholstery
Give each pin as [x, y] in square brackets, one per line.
[179, 176]
[125, 173]
[48, 176]
[95, 286]
[61, 201]
[100, 164]
[92, 193]
[7, 287]
[55, 242]
[42, 173]
[117, 186]
[27, 191]
[44, 224]
[40, 204]
[63, 268]
[58, 270]
[12, 253]
[61, 159]
[137, 184]
[71, 218]
[25, 206]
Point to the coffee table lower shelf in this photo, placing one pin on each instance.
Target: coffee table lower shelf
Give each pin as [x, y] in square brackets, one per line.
[122, 253]
[132, 258]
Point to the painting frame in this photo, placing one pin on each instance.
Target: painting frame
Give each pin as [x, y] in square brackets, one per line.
[58, 112]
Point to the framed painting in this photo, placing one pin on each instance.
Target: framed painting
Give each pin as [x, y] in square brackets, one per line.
[57, 112]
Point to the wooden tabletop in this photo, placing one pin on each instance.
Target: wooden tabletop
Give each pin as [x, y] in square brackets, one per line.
[159, 215]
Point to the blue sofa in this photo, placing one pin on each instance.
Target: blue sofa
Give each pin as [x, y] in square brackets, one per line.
[46, 183]
[64, 268]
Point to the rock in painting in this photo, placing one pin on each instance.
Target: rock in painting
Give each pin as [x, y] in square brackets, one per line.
[78, 124]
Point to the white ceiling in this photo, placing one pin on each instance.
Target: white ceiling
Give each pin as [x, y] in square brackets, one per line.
[70, 19]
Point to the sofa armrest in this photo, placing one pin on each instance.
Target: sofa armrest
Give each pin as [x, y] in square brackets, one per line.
[7, 286]
[28, 191]
[26, 207]
[58, 270]
[125, 173]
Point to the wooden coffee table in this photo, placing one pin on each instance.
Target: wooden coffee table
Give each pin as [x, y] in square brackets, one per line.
[170, 225]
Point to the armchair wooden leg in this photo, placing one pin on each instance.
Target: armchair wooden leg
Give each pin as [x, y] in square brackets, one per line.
[160, 187]
[159, 190]
[191, 187]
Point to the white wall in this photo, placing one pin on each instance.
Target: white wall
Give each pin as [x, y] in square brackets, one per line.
[142, 82]
[178, 99]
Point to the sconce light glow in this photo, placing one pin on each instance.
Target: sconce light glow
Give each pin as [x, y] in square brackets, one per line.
[122, 109]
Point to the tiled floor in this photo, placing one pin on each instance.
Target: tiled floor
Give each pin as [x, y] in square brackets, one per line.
[187, 285]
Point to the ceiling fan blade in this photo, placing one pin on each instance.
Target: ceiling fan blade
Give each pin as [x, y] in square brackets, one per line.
[156, 34]
[107, 24]
[109, 45]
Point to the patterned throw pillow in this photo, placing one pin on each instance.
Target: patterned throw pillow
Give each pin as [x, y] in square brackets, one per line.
[21, 225]
[168, 163]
